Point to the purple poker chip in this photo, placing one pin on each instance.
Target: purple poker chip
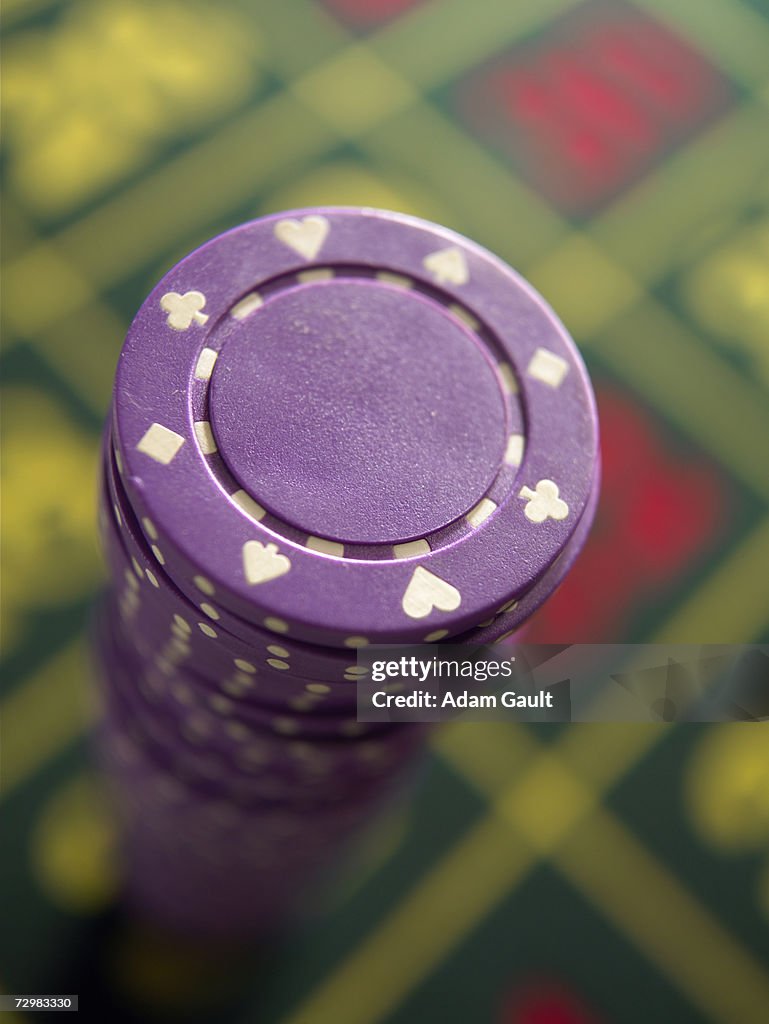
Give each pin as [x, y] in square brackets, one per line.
[171, 715]
[513, 616]
[200, 863]
[239, 641]
[206, 719]
[168, 640]
[163, 628]
[251, 773]
[355, 426]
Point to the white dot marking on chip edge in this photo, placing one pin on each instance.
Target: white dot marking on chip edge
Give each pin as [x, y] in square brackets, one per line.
[183, 309]
[481, 512]
[305, 236]
[285, 726]
[247, 305]
[209, 610]
[465, 316]
[278, 651]
[220, 704]
[152, 578]
[236, 687]
[316, 274]
[325, 547]
[207, 630]
[149, 528]
[426, 592]
[252, 508]
[160, 443]
[303, 703]
[275, 624]
[158, 554]
[543, 502]
[244, 666]
[438, 634]
[514, 450]
[203, 584]
[205, 437]
[509, 383]
[447, 266]
[205, 364]
[356, 641]
[411, 548]
[398, 280]
[547, 367]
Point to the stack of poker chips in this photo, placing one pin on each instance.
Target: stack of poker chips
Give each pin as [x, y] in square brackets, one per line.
[330, 429]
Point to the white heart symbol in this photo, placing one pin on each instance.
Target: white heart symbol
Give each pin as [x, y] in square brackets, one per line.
[427, 591]
[262, 562]
[304, 236]
[447, 265]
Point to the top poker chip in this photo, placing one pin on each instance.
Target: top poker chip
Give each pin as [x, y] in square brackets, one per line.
[353, 426]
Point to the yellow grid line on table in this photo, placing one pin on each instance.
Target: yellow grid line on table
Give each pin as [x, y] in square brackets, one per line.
[209, 183]
[732, 604]
[198, 186]
[732, 35]
[300, 32]
[449, 147]
[409, 43]
[61, 343]
[452, 160]
[85, 237]
[721, 410]
[421, 930]
[403, 947]
[667, 924]
[201, 163]
[700, 182]
[51, 709]
[552, 810]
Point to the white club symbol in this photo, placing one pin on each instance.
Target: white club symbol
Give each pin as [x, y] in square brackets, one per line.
[543, 502]
[183, 309]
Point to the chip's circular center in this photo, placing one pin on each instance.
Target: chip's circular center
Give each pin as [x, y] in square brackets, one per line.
[358, 411]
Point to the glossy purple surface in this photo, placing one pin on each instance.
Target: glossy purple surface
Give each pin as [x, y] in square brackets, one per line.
[358, 411]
